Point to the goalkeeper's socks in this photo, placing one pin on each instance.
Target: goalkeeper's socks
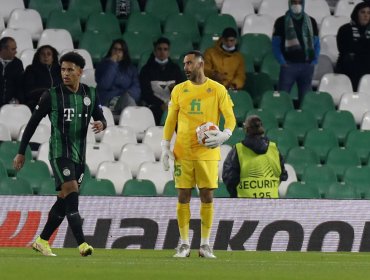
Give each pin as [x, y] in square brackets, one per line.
[73, 216]
[206, 216]
[55, 218]
[183, 219]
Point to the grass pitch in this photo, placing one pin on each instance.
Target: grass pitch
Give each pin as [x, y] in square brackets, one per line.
[23, 263]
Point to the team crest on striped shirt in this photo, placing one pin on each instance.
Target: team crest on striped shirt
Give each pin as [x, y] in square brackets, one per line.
[87, 101]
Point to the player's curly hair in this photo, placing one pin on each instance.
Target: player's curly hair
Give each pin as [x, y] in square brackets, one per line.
[73, 57]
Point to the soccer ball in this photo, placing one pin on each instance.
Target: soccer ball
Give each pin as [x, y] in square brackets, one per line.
[203, 130]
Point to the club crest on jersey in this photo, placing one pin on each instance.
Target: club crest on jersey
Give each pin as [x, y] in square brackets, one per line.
[87, 101]
[209, 90]
[66, 171]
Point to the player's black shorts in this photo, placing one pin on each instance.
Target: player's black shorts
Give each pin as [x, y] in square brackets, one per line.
[66, 170]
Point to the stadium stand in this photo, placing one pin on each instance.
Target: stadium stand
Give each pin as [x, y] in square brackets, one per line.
[359, 178]
[4, 133]
[97, 153]
[318, 103]
[356, 103]
[104, 23]
[258, 24]
[34, 172]
[8, 6]
[136, 154]
[300, 122]
[137, 187]
[320, 141]
[284, 138]
[15, 186]
[300, 190]
[161, 9]
[154, 172]
[319, 177]
[342, 191]
[238, 9]
[60, 39]
[339, 159]
[278, 103]
[336, 85]
[200, 9]
[98, 187]
[268, 119]
[14, 116]
[68, 20]
[116, 171]
[340, 122]
[358, 141]
[45, 7]
[21, 36]
[292, 177]
[84, 8]
[26, 19]
[300, 158]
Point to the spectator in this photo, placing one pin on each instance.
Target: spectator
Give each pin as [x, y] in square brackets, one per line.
[42, 74]
[157, 78]
[117, 78]
[224, 63]
[11, 69]
[353, 41]
[296, 46]
[254, 167]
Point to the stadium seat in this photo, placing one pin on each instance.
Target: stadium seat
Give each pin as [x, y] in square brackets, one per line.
[47, 187]
[345, 7]
[21, 36]
[300, 122]
[255, 45]
[238, 9]
[26, 56]
[60, 39]
[153, 136]
[278, 103]
[364, 84]
[110, 122]
[248, 63]
[2, 24]
[88, 77]
[300, 158]
[161, 9]
[242, 104]
[271, 67]
[116, 171]
[336, 85]
[292, 177]
[144, 23]
[7, 6]
[300, 190]
[138, 43]
[45, 7]
[97, 51]
[135, 154]
[136, 187]
[104, 23]
[342, 191]
[117, 136]
[15, 186]
[180, 45]
[215, 24]
[330, 25]
[4, 133]
[84, 8]
[324, 65]
[365, 123]
[111, 6]
[319, 177]
[3, 172]
[170, 190]
[221, 191]
[34, 172]
[97, 187]
[340, 159]
[273, 8]
[43, 155]
[358, 141]
[257, 84]
[225, 149]
[358, 103]
[68, 20]
[237, 136]
[318, 9]
[340, 122]
[320, 141]
[183, 23]
[268, 119]
[359, 178]
[258, 24]
[14, 116]
[284, 138]
[140, 118]
[200, 9]
[154, 172]
[318, 103]
[41, 135]
[328, 47]
[26, 19]
[96, 153]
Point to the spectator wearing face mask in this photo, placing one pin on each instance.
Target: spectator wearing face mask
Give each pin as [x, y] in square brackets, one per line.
[224, 63]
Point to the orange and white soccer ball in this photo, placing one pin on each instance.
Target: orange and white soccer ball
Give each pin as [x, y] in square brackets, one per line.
[203, 130]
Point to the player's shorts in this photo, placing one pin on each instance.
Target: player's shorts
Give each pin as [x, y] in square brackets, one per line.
[66, 170]
[191, 173]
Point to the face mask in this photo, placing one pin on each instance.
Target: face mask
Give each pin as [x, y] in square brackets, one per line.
[296, 9]
[231, 49]
[161, 61]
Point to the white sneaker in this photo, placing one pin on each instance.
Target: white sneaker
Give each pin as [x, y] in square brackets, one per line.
[183, 251]
[206, 252]
[43, 247]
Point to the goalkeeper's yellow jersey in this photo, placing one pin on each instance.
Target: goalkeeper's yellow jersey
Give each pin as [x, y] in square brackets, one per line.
[190, 106]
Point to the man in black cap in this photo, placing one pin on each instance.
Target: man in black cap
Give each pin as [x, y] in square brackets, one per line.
[224, 63]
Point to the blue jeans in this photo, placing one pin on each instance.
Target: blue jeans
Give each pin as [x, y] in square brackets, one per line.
[301, 73]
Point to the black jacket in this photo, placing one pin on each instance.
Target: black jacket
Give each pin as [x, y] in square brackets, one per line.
[231, 168]
[11, 81]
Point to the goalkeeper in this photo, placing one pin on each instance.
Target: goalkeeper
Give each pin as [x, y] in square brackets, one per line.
[193, 102]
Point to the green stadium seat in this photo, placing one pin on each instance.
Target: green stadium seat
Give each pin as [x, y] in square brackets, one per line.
[207, 41]
[255, 45]
[3, 172]
[342, 191]
[319, 177]
[170, 190]
[300, 190]
[110, 6]
[201, 9]
[300, 122]
[45, 7]
[278, 103]
[268, 119]
[300, 158]
[249, 64]
[242, 104]
[359, 178]
[68, 20]
[98, 187]
[215, 24]
[359, 141]
[221, 191]
[340, 159]
[143, 59]
[318, 103]
[47, 187]
[84, 8]
[97, 51]
[144, 23]
[34, 172]
[183, 23]
[104, 23]
[134, 187]
[340, 122]
[164, 117]
[138, 44]
[320, 141]
[271, 67]
[16, 186]
[180, 45]
[257, 84]
[161, 9]
[284, 138]
[237, 136]
[8, 150]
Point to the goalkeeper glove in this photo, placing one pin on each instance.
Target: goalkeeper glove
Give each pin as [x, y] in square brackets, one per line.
[166, 154]
[216, 138]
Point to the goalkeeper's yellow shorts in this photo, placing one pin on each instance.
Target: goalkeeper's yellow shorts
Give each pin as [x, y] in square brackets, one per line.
[201, 173]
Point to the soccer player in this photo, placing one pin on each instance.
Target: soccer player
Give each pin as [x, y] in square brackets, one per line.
[70, 107]
[193, 102]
